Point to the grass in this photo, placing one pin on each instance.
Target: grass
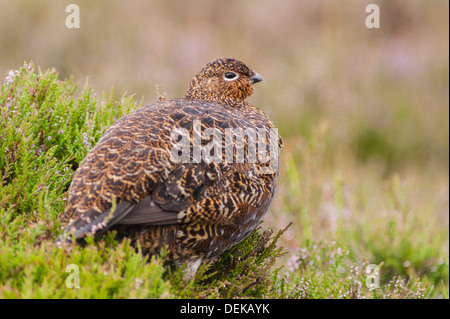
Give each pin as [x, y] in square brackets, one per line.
[347, 211]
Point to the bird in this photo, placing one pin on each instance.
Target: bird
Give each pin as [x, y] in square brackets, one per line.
[133, 183]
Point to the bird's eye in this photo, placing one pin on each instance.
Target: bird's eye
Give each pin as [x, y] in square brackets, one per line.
[230, 76]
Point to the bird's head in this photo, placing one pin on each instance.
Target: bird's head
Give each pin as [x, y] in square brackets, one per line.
[222, 80]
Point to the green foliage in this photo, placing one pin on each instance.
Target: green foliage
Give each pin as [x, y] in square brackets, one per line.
[105, 271]
[244, 271]
[324, 270]
[45, 132]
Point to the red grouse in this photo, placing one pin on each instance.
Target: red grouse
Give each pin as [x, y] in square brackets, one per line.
[139, 182]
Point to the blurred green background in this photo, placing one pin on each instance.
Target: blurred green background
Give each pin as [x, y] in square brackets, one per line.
[364, 112]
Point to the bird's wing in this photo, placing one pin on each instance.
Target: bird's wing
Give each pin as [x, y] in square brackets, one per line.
[92, 222]
[184, 185]
[118, 174]
[145, 212]
[148, 213]
[129, 178]
[174, 194]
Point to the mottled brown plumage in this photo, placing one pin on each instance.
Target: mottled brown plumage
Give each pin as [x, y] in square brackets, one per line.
[130, 183]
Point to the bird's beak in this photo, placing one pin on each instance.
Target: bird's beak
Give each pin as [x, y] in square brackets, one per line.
[255, 78]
